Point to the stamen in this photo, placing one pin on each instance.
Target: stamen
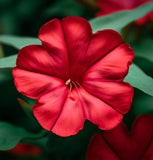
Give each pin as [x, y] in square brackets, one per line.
[68, 82]
[71, 95]
[70, 85]
[75, 84]
[79, 85]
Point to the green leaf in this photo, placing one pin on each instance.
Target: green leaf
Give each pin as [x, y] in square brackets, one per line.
[119, 20]
[138, 79]
[11, 135]
[8, 62]
[139, 104]
[1, 52]
[144, 49]
[18, 42]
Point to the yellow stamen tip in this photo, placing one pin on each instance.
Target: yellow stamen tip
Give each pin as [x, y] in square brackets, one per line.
[68, 82]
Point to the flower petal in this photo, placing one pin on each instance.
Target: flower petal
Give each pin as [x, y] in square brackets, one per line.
[33, 84]
[142, 124]
[117, 95]
[79, 41]
[52, 37]
[36, 58]
[118, 143]
[59, 112]
[98, 112]
[26, 150]
[48, 107]
[98, 149]
[133, 145]
[110, 6]
[84, 48]
[114, 66]
[77, 35]
[148, 154]
[144, 19]
[101, 43]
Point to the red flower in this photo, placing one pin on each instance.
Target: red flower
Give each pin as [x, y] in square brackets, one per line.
[144, 19]
[26, 150]
[75, 75]
[118, 143]
[111, 6]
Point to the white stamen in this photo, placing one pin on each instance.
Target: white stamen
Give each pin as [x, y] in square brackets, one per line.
[68, 82]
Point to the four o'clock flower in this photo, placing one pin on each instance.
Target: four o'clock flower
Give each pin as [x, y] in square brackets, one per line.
[110, 6]
[75, 75]
[144, 19]
[26, 150]
[119, 144]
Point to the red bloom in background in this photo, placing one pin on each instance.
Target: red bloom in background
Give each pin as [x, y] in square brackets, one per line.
[111, 6]
[26, 150]
[144, 19]
[75, 75]
[119, 144]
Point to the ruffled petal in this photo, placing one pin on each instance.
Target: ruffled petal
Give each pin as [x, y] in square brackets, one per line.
[112, 67]
[24, 150]
[51, 35]
[85, 48]
[77, 35]
[98, 112]
[72, 108]
[111, 6]
[101, 43]
[144, 19]
[148, 155]
[59, 112]
[48, 107]
[118, 143]
[36, 58]
[116, 95]
[133, 145]
[53, 39]
[33, 84]
[98, 149]
[142, 124]
[71, 118]
[137, 3]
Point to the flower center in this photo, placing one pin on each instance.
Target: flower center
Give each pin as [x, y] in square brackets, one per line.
[69, 83]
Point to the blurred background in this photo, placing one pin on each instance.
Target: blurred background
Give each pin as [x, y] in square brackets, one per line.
[24, 18]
